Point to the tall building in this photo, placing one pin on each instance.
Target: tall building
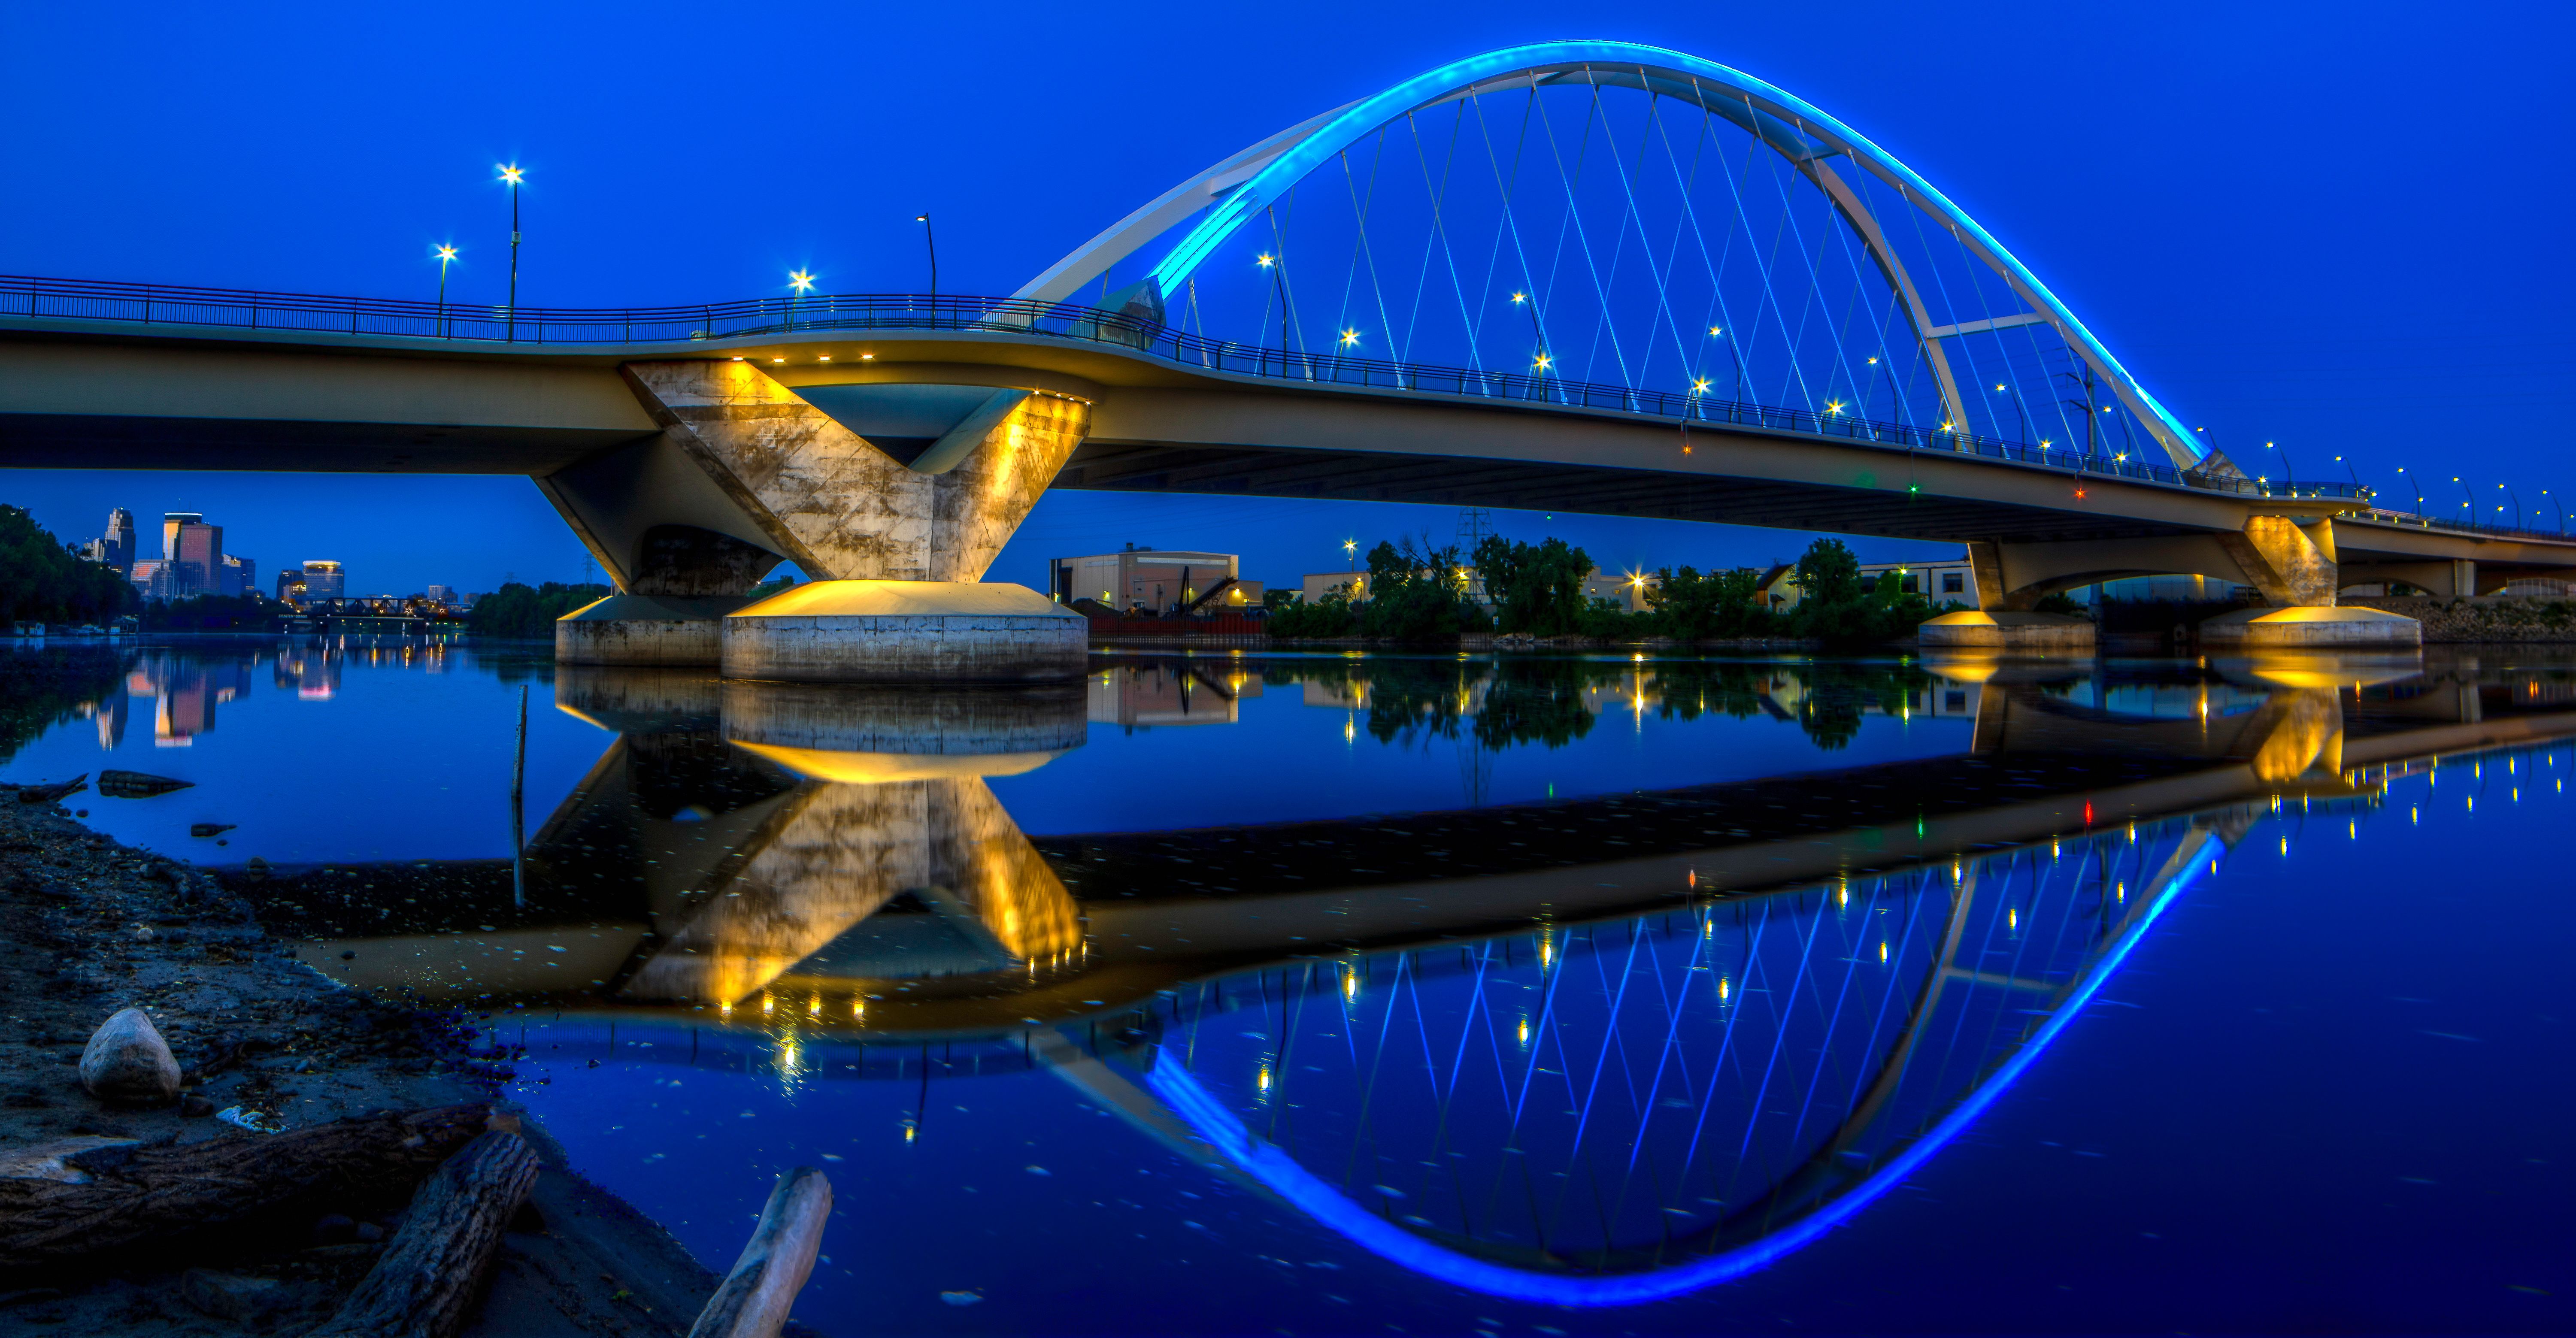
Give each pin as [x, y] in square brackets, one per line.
[237, 576]
[442, 595]
[323, 579]
[192, 557]
[115, 548]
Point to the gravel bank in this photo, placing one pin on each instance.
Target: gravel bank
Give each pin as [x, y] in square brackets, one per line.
[88, 926]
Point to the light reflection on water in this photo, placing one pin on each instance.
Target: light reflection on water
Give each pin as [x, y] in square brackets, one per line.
[1444, 992]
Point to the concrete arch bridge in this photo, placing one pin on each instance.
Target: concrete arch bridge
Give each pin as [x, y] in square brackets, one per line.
[1583, 276]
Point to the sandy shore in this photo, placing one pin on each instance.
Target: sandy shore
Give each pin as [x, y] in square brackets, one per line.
[88, 926]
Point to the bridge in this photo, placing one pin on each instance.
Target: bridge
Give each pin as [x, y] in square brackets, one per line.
[1582, 276]
[1481, 1044]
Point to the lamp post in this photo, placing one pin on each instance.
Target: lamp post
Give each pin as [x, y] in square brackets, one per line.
[2562, 511]
[2419, 492]
[2517, 505]
[799, 282]
[1278, 289]
[2027, 432]
[446, 257]
[511, 176]
[2356, 474]
[2288, 474]
[931, 240]
[1539, 361]
[2470, 505]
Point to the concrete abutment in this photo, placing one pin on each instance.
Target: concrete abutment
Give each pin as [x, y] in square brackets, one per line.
[897, 530]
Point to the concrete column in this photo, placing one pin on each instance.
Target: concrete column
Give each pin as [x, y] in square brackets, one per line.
[1986, 567]
[2464, 579]
[2296, 568]
[2293, 565]
[747, 472]
[840, 507]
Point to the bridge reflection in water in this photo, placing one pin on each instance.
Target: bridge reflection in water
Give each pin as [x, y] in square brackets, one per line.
[1492, 1045]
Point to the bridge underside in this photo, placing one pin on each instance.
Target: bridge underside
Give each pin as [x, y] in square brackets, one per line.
[1449, 480]
[298, 446]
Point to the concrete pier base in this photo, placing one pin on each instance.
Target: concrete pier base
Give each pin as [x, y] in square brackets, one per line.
[2324, 628]
[951, 632]
[646, 630]
[871, 733]
[2014, 633]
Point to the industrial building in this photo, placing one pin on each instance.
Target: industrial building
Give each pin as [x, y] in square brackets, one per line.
[1152, 582]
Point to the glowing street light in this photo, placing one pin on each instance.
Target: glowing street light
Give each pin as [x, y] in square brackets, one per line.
[1350, 337]
[799, 282]
[513, 176]
[446, 256]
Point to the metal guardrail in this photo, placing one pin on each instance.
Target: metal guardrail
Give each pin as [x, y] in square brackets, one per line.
[158, 304]
[2415, 520]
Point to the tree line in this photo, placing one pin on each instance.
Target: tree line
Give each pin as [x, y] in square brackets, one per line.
[1417, 591]
[44, 580]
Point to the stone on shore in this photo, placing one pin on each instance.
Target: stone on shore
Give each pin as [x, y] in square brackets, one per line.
[128, 1063]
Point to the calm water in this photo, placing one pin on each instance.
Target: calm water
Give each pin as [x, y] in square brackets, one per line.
[1433, 995]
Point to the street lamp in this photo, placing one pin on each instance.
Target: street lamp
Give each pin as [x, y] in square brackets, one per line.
[800, 282]
[1278, 288]
[931, 241]
[2419, 492]
[512, 175]
[2517, 505]
[2018, 407]
[2470, 505]
[1538, 360]
[2562, 511]
[446, 256]
[2287, 473]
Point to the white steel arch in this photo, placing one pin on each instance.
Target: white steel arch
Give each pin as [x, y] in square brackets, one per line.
[1234, 190]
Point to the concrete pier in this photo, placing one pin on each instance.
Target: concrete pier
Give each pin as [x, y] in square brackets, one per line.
[2011, 632]
[932, 632]
[2348, 627]
[646, 630]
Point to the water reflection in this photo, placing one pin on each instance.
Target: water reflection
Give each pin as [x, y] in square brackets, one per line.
[1591, 1051]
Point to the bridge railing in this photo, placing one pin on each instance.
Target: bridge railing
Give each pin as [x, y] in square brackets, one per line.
[82, 299]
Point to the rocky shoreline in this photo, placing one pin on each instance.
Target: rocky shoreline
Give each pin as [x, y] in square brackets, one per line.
[88, 927]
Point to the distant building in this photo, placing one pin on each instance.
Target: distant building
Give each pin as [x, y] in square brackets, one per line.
[1352, 585]
[323, 579]
[1152, 580]
[1626, 591]
[290, 586]
[237, 576]
[443, 595]
[1946, 581]
[114, 549]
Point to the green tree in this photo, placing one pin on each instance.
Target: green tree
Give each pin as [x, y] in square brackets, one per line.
[1691, 607]
[1536, 588]
[1835, 606]
[43, 580]
[1418, 592]
[518, 610]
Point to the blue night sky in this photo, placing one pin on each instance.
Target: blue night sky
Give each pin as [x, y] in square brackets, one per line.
[2284, 218]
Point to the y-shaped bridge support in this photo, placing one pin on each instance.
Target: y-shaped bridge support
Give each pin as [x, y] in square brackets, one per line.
[2292, 561]
[896, 532]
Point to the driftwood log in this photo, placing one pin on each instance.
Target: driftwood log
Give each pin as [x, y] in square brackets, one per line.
[426, 1283]
[755, 1297]
[143, 1193]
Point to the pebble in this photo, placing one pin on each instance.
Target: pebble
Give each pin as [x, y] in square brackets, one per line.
[128, 1062]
